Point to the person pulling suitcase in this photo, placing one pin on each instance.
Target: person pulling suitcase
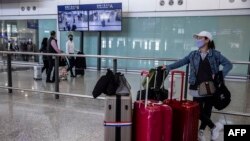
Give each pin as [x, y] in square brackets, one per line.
[70, 49]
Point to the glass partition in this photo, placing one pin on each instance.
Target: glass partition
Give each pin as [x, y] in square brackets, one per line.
[171, 37]
[159, 37]
[24, 35]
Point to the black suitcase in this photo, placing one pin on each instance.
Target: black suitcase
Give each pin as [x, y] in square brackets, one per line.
[80, 64]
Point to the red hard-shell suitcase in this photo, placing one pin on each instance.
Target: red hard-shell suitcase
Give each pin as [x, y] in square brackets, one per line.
[167, 122]
[152, 121]
[185, 115]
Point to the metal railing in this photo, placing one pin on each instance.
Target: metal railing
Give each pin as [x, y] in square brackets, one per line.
[115, 58]
[49, 92]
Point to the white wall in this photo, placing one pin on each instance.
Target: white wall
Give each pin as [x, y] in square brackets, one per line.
[203, 4]
[91, 1]
[0, 8]
[167, 7]
[225, 4]
[25, 5]
[67, 2]
[10, 9]
[124, 4]
[141, 5]
[49, 7]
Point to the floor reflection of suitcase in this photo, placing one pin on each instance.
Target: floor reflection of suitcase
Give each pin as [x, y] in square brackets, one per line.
[118, 118]
[185, 115]
[37, 72]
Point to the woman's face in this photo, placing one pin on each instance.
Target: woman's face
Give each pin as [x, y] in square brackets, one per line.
[201, 41]
[205, 39]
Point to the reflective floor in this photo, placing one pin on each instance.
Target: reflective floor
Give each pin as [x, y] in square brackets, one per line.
[26, 116]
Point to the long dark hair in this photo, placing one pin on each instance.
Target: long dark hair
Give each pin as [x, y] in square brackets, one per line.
[45, 41]
[211, 44]
[44, 44]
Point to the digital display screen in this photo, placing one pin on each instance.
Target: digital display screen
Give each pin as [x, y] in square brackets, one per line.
[72, 18]
[90, 17]
[105, 20]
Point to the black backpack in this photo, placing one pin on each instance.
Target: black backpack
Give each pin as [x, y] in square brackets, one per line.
[158, 92]
[222, 96]
[107, 84]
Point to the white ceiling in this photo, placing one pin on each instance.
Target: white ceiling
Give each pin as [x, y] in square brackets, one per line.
[18, 1]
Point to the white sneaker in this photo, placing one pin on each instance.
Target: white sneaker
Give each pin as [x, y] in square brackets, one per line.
[216, 130]
[201, 136]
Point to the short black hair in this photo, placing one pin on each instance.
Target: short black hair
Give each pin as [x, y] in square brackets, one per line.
[70, 35]
[52, 33]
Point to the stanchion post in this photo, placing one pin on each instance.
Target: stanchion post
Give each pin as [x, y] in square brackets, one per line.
[115, 65]
[57, 76]
[99, 51]
[186, 81]
[9, 72]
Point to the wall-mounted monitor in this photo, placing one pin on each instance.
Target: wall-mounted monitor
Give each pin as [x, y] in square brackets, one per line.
[90, 17]
[106, 17]
[32, 24]
[72, 18]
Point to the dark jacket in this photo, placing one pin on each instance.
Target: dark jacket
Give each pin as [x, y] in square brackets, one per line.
[43, 49]
[215, 59]
[50, 49]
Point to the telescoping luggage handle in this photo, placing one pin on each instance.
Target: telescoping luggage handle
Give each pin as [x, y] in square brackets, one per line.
[172, 82]
[145, 74]
[164, 74]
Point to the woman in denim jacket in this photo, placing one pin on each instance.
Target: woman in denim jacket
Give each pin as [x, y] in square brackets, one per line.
[204, 64]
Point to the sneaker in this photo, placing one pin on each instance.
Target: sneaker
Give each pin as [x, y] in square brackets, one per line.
[216, 130]
[201, 136]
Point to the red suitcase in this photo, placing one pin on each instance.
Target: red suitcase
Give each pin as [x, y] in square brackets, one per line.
[152, 121]
[185, 115]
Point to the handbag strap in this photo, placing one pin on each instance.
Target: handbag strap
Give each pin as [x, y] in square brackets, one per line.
[156, 73]
[125, 82]
[208, 87]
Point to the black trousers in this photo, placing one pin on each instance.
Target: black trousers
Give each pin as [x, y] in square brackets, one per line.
[206, 105]
[45, 65]
[51, 66]
[71, 65]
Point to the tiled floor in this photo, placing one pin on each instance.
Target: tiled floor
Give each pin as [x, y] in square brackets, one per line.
[28, 116]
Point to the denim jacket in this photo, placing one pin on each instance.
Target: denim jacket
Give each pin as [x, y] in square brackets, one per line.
[215, 59]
